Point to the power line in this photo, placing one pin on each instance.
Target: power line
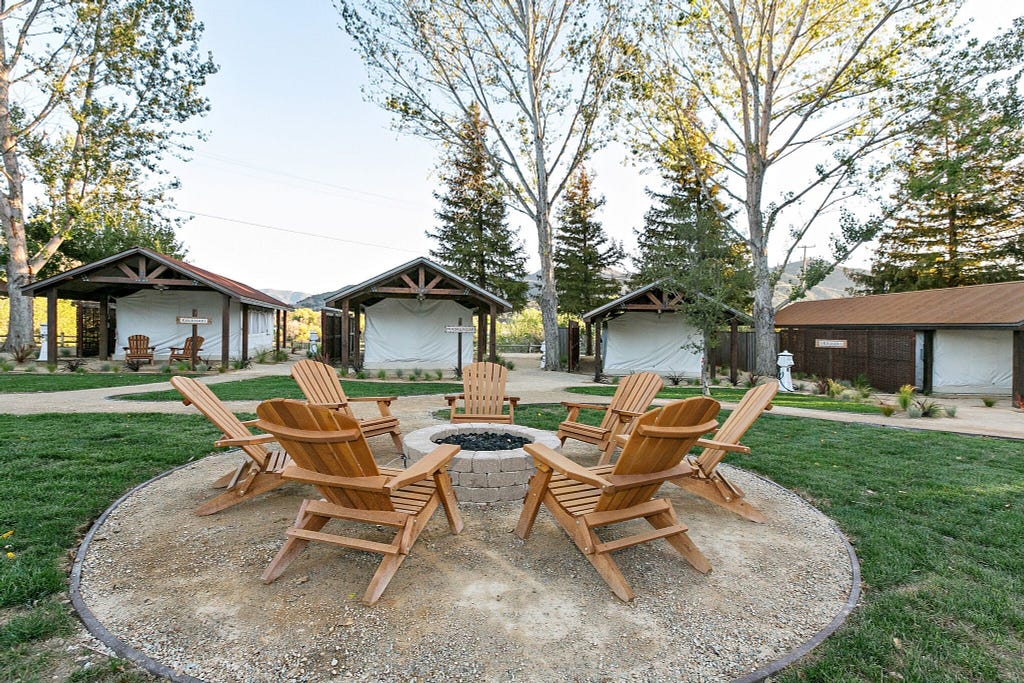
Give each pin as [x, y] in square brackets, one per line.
[293, 232]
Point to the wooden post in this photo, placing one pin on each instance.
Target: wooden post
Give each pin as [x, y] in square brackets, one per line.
[597, 349]
[195, 333]
[492, 338]
[277, 331]
[104, 330]
[458, 353]
[734, 351]
[481, 334]
[1018, 365]
[51, 325]
[357, 357]
[245, 330]
[225, 331]
[344, 333]
[929, 360]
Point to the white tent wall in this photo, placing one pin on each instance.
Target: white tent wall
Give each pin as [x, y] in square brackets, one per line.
[648, 342]
[154, 312]
[973, 362]
[409, 334]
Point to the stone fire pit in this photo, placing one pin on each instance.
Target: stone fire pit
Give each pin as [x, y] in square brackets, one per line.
[483, 476]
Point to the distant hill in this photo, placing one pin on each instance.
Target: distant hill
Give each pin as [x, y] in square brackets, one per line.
[287, 296]
[835, 286]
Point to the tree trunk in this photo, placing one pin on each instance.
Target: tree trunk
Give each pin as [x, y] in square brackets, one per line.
[548, 295]
[19, 274]
[764, 317]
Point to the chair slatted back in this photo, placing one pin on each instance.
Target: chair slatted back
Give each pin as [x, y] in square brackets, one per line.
[484, 387]
[298, 426]
[750, 407]
[676, 428]
[634, 393]
[138, 345]
[206, 402]
[193, 342]
[320, 384]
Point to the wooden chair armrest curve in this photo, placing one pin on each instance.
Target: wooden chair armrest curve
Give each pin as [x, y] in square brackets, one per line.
[512, 399]
[425, 467]
[309, 435]
[453, 397]
[627, 413]
[250, 440]
[367, 399]
[588, 406]
[296, 473]
[723, 446]
[655, 432]
[249, 423]
[621, 482]
[334, 406]
[563, 465]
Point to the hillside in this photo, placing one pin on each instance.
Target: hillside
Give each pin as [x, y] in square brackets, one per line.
[835, 286]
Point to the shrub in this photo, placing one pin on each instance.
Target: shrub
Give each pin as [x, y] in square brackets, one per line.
[905, 396]
[440, 374]
[133, 364]
[31, 367]
[382, 374]
[950, 411]
[167, 369]
[182, 366]
[861, 381]
[280, 356]
[886, 409]
[834, 388]
[928, 408]
[360, 375]
[202, 367]
[64, 352]
[106, 367]
[913, 411]
[51, 367]
[74, 364]
[988, 401]
[399, 373]
[511, 365]
[6, 366]
[261, 356]
[22, 353]
[674, 379]
[417, 372]
[240, 363]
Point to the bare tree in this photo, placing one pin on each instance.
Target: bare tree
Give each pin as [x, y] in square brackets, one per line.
[541, 71]
[793, 98]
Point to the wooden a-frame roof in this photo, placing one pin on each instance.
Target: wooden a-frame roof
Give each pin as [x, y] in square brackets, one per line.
[140, 268]
[420, 278]
[655, 298]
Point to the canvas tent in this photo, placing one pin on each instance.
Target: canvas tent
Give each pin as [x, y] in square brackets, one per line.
[154, 292]
[645, 331]
[960, 340]
[407, 312]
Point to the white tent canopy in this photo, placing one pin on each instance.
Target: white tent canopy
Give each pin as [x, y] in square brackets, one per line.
[645, 342]
[154, 313]
[410, 334]
[972, 362]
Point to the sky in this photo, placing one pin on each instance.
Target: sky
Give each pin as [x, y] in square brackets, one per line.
[303, 185]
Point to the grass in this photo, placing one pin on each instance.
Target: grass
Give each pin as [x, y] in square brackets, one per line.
[734, 394]
[262, 388]
[60, 472]
[937, 521]
[11, 383]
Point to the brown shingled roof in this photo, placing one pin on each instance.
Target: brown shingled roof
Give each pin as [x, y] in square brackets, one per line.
[996, 305]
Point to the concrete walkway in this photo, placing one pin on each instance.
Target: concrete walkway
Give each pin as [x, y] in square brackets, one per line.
[527, 381]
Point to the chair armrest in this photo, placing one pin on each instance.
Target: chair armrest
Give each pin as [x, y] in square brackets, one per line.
[249, 423]
[513, 400]
[588, 406]
[620, 482]
[250, 440]
[367, 399]
[424, 468]
[333, 406]
[542, 455]
[295, 473]
[723, 446]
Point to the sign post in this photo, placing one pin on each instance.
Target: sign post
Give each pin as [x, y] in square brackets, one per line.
[460, 330]
[195, 321]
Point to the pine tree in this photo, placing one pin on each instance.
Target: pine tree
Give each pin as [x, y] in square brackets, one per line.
[473, 238]
[960, 217]
[583, 251]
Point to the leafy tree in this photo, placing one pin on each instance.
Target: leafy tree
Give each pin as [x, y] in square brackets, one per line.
[959, 217]
[793, 96]
[93, 94]
[584, 253]
[473, 239]
[543, 74]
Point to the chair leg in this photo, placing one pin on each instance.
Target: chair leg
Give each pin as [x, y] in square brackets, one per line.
[606, 452]
[293, 546]
[443, 482]
[681, 541]
[261, 483]
[233, 475]
[396, 436]
[707, 489]
[382, 577]
[611, 574]
[531, 505]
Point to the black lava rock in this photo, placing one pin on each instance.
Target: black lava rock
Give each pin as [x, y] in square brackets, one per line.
[486, 441]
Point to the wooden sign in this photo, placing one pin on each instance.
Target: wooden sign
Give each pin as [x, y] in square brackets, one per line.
[830, 343]
[185, 320]
[459, 329]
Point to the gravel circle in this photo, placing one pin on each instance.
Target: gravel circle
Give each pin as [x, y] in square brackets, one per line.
[484, 605]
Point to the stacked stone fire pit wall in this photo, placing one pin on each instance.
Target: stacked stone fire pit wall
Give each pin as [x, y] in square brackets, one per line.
[483, 476]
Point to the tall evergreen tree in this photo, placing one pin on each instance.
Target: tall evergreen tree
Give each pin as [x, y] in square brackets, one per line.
[473, 238]
[583, 252]
[960, 218]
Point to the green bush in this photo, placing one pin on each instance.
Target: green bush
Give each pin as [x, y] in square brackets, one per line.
[988, 401]
[381, 374]
[905, 396]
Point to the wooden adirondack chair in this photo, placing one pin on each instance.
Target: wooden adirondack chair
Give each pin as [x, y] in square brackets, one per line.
[631, 400]
[185, 352]
[330, 452]
[483, 395]
[138, 348]
[320, 385]
[582, 499]
[705, 480]
[259, 473]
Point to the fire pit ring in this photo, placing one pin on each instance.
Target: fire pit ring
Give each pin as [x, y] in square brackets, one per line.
[483, 477]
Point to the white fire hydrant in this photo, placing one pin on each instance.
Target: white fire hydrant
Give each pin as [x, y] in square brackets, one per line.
[785, 371]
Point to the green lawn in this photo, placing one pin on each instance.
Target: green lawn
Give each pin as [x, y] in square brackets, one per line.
[734, 394]
[937, 521]
[11, 383]
[262, 388]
